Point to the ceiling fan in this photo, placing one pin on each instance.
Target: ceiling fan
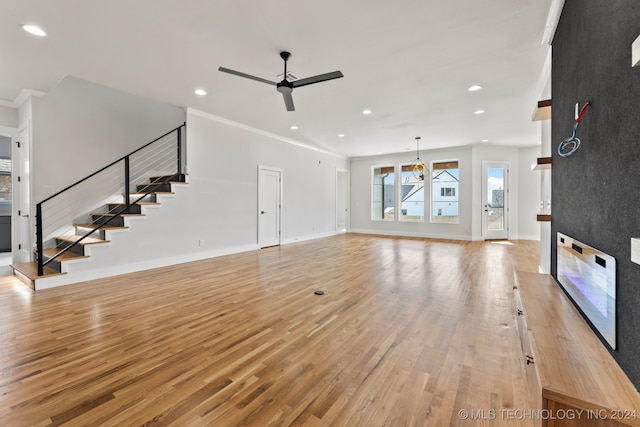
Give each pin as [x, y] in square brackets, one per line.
[285, 87]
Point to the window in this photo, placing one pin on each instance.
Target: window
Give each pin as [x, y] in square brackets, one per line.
[444, 184]
[411, 196]
[384, 190]
[448, 191]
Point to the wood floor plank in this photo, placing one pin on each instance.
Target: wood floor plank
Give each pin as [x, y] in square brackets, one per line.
[409, 332]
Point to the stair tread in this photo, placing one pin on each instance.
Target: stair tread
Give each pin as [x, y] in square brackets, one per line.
[85, 241]
[151, 193]
[112, 214]
[102, 227]
[67, 256]
[169, 174]
[136, 203]
[30, 270]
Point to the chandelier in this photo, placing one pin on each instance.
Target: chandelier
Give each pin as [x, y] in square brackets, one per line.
[419, 168]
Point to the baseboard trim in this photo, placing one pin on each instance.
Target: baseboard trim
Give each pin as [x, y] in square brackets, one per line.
[412, 234]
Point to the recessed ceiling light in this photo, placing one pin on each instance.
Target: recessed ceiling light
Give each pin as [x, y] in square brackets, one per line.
[379, 152]
[34, 29]
[485, 140]
[366, 112]
[341, 135]
[200, 92]
[294, 127]
[478, 112]
[474, 88]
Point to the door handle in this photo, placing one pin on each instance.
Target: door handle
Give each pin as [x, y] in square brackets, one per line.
[262, 212]
[25, 216]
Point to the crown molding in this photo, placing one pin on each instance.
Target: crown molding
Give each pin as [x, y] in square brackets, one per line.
[261, 132]
[552, 21]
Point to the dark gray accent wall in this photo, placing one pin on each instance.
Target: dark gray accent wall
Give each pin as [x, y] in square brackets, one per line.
[596, 192]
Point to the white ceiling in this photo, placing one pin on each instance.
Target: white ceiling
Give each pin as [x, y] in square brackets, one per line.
[410, 61]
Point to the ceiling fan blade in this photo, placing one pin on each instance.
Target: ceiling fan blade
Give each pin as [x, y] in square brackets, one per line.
[317, 79]
[288, 101]
[248, 76]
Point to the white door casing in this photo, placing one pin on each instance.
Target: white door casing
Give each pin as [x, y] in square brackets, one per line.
[269, 206]
[342, 200]
[21, 176]
[495, 200]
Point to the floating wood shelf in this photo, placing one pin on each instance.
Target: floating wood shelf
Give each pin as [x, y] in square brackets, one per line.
[635, 250]
[541, 163]
[543, 217]
[542, 111]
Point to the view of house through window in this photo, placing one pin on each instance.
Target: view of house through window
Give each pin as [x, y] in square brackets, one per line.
[412, 196]
[384, 190]
[495, 198]
[444, 183]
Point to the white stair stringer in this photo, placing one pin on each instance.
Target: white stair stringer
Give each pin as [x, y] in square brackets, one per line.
[118, 253]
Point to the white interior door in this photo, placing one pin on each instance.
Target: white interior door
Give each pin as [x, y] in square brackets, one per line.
[21, 177]
[342, 200]
[495, 200]
[269, 206]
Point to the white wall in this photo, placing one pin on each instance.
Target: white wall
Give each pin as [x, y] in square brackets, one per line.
[223, 170]
[219, 205]
[470, 190]
[545, 175]
[80, 126]
[8, 116]
[529, 189]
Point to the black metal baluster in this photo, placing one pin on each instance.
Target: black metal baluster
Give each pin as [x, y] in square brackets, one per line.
[179, 152]
[39, 248]
[39, 223]
[127, 190]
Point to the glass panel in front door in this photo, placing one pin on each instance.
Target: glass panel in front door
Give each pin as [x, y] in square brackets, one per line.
[495, 199]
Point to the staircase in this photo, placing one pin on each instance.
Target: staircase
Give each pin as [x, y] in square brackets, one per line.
[65, 234]
[113, 217]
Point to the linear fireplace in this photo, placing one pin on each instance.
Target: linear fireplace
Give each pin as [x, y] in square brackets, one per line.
[588, 276]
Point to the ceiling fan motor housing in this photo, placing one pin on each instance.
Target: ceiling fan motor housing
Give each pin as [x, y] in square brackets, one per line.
[284, 86]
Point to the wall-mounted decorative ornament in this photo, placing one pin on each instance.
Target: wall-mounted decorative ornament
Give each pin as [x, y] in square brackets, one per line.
[570, 145]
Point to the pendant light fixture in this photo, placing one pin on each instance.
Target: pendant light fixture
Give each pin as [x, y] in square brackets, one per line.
[419, 168]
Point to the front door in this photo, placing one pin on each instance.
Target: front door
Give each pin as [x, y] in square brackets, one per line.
[269, 206]
[495, 200]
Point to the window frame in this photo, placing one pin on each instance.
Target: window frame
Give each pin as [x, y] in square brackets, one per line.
[401, 216]
[392, 167]
[456, 190]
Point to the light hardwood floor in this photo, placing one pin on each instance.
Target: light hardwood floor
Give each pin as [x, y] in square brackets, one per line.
[409, 333]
